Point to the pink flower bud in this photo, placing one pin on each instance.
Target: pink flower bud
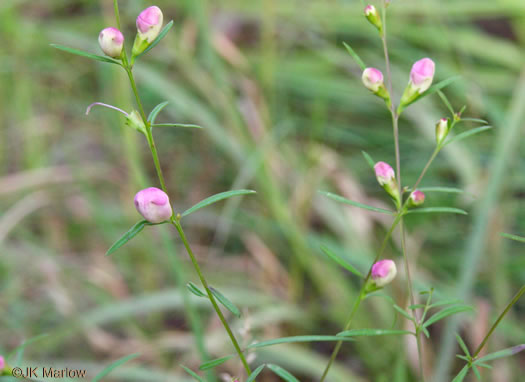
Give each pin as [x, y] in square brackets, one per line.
[372, 15]
[372, 79]
[384, 173]
[149, 23]
[442, 128]
[417, 198]
[2, 363]
[111, 42]
[422, 74]
[153, 204]
[383, 272]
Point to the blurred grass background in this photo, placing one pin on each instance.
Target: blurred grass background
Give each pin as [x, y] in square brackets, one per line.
[285, 114]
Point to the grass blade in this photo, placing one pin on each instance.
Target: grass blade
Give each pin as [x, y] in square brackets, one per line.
[215, 198]
[340, 261]
[86, 54]
[214, 363]
[341, 199]
[20, 348]
[282, 373]
[373, 332]
[227, 303]
[113, 366]
[156, 110]
[355, 56]
[161, 35]
[296, 339]
[193, 374]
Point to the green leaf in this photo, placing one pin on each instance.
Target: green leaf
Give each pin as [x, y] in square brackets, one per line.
[461, 375]
[113, 366]
[195, 290]
[481, 364]
[462, 344]
[476, 372]
[156, 110]
[464, 358]
[442, 189]
[193, 374]
[282, 373]
[130, 234]
[425, 331]
[369, 159]
[86, 54]
[416, 306]
[513, 237]
[373, 332]
[177, 125]
[296, 339]
[502, 353]
[446, 101]
[445, 302]
[467, 134]
[477, 120]
[215, 198]
[224, 301]
[355, 56]
[20, 348]
[445, 313]
[255, 373]
[437, 210]
[341, 199]
[431, 90]
[340, 261]
[214, 362]
[161, 35]
[403, 312]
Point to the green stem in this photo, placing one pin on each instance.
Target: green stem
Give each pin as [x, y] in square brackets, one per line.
[177, 225]
[362, 295]
[501, 316]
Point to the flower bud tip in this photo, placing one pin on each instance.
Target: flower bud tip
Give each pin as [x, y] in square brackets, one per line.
[153, 204]
[383, 272]
[111, 41]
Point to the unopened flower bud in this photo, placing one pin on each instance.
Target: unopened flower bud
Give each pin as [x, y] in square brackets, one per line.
[2, 364]
[153, 204]
[383, 272]
[416, 198]
[373, 80]
[442, 129]
[421, 77]
[111, 41]
[386, 178]
[372, 15]
[149, 25]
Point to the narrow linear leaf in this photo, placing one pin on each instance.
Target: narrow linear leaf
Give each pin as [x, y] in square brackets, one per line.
[255, 373]
[477, 120]
[445, 313]
[355, 56]
[461, 375]
[214, 363]
[451, 190]
[340, 261]
[445, 302]
[227, 303]
[430, 210]
[20, 348]
[282, 373]
[403, 312]
[446, 101]
[464, 358]
[156, 110]
[476, 372]
[193, 374]
[481, 364]
[433, 89]
[130, 234]
[502, 353]
[161, 35]
[189, 125]
[215, 198]
[373, 332]
[513, 237]
[297, 339]
[467, 134]
[113, 366]
[368, 159]
[462, 344]
[416, 306]
[341, 199]
[195, 290]
[86, 54]
[425, 331]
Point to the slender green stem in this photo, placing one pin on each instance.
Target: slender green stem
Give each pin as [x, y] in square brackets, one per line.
[514, 300]
[362, 295]
[117, 13]
[177, 225]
